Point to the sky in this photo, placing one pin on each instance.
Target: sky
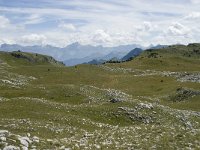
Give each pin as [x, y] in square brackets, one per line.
[99, 22]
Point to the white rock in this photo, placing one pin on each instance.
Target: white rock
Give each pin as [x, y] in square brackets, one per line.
[25, 141]
[62, 147]
[49, 140]
[3, 139]
[33, 147]
[97, 146]
[11, 147]
[36, 139]
[24, 148]
[4, 133]
[148, 106]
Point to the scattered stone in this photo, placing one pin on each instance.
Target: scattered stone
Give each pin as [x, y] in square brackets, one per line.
[4, 133]
[189, 77]
[142, 112]
[114, 100]
[180, 76]
[24, 148]
[49, 140]
[3, 139]
[36, 139]
[25, 141]
[88, 135]
[11, 147]
[183, 94]
[62, 148]
[97, 146]
[145, 106]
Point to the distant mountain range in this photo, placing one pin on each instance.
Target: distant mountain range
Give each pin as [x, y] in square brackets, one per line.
[157, 46]
[96, 62]
[131, 54]
[75, 53]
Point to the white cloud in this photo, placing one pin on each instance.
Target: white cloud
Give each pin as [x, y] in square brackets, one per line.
[34, 19]
[6, 26]
[177, 29]
[119, 21]
[33, 39]
[146, 27]
[195, 1]
[100, 37]
[193, 15]
[67, 27]
[4, 22]
[5, 40]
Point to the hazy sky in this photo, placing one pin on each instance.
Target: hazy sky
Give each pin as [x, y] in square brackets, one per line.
[105, 22]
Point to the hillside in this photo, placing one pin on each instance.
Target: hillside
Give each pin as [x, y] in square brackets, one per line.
[171, 58]
[149, 102]
[134, 53]
[24, 58]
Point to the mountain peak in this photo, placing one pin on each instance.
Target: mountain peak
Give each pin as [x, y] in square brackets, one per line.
[75, 44]
[135, 52]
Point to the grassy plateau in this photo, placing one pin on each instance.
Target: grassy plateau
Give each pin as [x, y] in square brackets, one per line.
[149, 102]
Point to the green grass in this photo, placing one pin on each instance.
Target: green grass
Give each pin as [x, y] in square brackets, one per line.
[76, 100]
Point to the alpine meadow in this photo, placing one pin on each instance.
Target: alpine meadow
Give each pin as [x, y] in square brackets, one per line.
[107, 75]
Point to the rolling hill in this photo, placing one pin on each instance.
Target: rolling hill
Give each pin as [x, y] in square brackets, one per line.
[149, 102]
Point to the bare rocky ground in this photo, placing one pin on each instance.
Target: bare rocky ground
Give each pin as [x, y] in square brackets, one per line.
[12, 80]
[151, 128]
[152, 124]
[180, 76]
